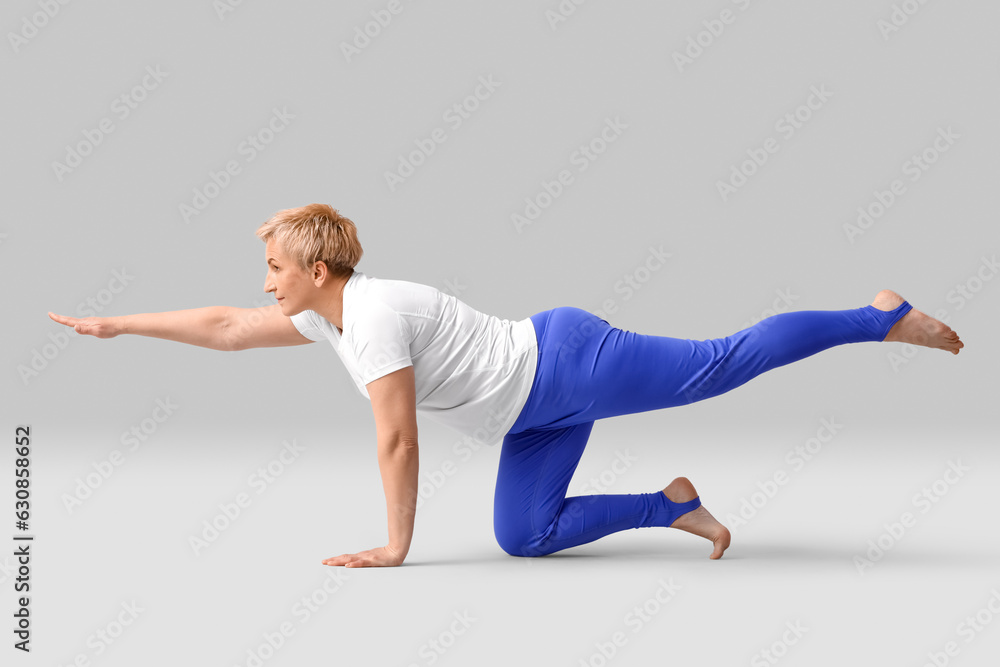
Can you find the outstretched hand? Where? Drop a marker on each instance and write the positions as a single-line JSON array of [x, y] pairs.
[[102, 327], [382, 557]]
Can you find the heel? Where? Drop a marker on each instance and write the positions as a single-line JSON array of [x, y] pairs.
[[888, 318], [681, 509], [675, 511]]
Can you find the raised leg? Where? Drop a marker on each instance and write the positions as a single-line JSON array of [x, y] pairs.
[[589, 370]]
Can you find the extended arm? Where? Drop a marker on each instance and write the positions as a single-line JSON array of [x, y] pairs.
[[393, 399], [215, 327]]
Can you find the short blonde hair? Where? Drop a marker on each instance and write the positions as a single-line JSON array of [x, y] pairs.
[[315, 233]]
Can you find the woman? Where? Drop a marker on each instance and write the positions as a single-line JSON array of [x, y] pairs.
[[537, 383]]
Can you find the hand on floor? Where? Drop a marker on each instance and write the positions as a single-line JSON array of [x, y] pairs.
[[382, 557]]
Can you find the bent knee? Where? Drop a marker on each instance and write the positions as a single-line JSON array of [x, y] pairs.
[[511, 541], [518, 541]]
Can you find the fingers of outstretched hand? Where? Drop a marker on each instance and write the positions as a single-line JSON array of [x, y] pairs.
[[62, 319], [99, 327], [77, 324]]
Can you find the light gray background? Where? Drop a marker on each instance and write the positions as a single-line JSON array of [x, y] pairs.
[[450, 225]]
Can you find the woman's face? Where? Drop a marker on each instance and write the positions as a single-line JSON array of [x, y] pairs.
[[288, 282]]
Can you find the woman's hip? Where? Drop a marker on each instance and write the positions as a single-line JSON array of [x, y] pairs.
[[567, 338]]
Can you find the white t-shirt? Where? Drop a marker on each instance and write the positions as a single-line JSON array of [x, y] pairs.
[[473, 371]]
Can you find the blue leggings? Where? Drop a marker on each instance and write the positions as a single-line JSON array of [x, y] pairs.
[[589, 370]]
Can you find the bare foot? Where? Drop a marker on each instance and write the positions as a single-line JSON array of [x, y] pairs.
[[698, 521], [917, 328]]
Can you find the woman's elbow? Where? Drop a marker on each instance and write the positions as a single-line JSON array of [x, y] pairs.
[[398, 440]]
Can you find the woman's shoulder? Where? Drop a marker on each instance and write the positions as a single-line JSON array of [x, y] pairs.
[[397, 294]]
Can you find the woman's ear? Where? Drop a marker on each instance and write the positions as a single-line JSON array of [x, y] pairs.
[[320, 273]]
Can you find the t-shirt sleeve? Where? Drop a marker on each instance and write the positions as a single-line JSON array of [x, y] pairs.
[[307, 325], [380, 342]]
